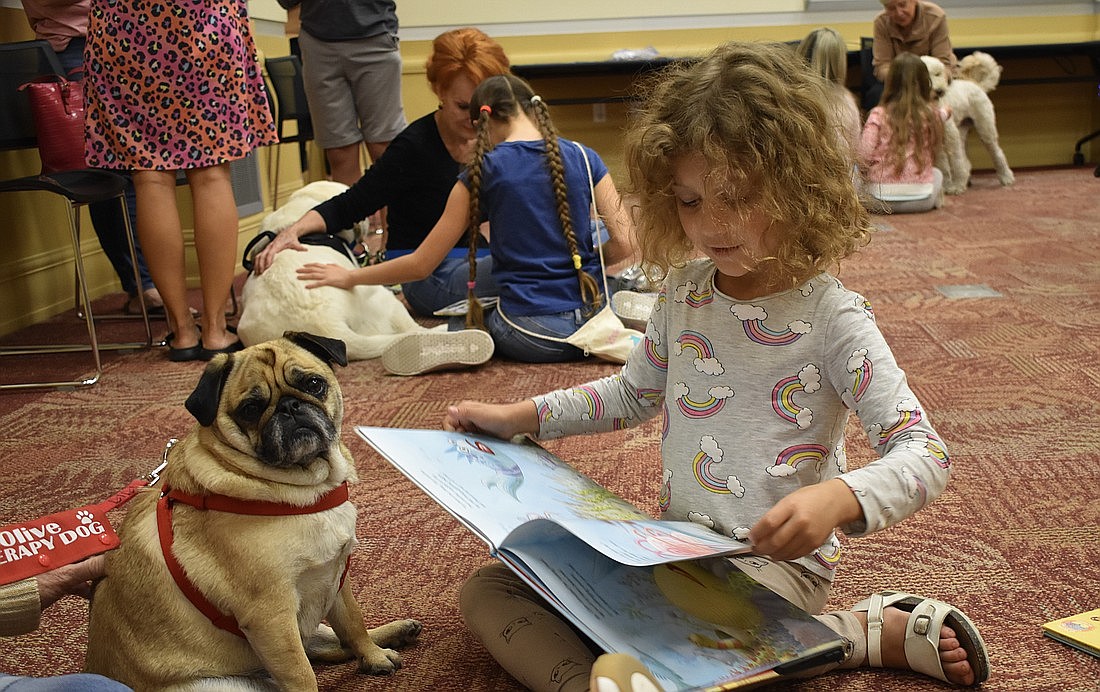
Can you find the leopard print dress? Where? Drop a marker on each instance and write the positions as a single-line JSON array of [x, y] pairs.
[[172, 84]]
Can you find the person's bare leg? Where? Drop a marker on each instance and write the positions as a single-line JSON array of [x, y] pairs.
[[162, 242], [376, 149], [344, 163], [952, 656], [216, 226]]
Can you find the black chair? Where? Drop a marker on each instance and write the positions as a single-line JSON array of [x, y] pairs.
[[288, 104], [1079, 156], [870, 88], [19, 63]]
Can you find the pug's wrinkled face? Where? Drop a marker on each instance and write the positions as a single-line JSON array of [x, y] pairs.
[[281, 396], [288, 424]]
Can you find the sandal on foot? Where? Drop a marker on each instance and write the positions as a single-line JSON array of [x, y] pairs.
[[922, 633], [621, 673], [209, 353], [183, 355]]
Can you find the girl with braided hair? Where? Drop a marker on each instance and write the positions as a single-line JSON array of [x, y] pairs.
[[533, 187]]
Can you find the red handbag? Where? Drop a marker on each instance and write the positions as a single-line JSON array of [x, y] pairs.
[[57, 104]]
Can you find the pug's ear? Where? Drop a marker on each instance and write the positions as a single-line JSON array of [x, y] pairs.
[[204, 401], [329, 350]]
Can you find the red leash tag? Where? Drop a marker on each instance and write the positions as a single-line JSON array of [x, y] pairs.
[[43, 544]]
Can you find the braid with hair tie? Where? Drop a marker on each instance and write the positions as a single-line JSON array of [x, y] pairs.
[[590, 291], [475, 314]]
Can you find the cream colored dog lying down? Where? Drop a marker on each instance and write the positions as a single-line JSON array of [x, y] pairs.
[[366, 318]]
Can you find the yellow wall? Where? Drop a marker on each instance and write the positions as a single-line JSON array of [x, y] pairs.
[[1038, 124]]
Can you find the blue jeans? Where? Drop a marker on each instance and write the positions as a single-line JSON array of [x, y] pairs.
[[512, 343], [76, 682], [447, 285], [106, 217]]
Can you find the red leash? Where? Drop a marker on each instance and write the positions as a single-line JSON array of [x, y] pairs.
[[40, 545]]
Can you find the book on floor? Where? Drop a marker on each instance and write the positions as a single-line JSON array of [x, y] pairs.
[[655, 589], [1081, 631]]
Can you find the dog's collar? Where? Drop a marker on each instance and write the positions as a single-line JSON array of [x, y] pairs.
[[221, 503]]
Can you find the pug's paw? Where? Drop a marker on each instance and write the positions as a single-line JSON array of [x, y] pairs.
[[380, 662], [396, 634]]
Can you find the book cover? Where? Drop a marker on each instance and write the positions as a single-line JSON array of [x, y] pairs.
[[658, 590], [1081, 631]]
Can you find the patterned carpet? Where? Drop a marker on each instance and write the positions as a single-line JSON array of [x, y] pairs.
[[992, 305]]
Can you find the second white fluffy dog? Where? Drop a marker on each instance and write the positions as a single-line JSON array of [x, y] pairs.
[[968, 98]]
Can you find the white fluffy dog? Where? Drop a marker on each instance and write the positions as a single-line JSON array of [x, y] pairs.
[[366, 318], [967, 97]]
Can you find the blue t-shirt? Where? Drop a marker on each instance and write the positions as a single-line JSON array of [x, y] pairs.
[[531, 259]]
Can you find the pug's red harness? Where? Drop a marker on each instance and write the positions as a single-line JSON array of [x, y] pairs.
[[222, 503]]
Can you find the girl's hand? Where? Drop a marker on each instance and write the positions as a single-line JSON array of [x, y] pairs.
[[325, 275], [800, 522], [282, 241], [500, 420]]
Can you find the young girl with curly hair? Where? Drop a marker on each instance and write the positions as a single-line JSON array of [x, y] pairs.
[[900, 141], [533, 187], [735, 157]]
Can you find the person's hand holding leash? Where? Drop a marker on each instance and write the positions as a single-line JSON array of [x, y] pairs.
[[311, 222], [75, 579]]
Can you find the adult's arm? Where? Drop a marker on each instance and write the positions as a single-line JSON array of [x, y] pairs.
[[882, 48], [940, 44], [22, 602], [416, 265], [19, 607]]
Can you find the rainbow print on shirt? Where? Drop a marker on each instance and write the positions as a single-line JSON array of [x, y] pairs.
[[788, 461], [807, 380], [689, 294], [909, 414], [593, 401], [703, 407], [752, 319], [860, 367], [692, 342], [664, 495], [653, 355], [709, 456]]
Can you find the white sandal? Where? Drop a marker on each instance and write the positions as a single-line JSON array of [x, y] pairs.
[[922, 633], [621, 673]]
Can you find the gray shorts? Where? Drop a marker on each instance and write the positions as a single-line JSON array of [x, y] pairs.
[[353, 88]]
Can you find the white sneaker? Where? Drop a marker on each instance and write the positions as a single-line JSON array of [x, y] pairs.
[[621, 673], [421, 352], [633, 308]]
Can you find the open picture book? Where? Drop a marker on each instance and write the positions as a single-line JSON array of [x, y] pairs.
[[658, 590]]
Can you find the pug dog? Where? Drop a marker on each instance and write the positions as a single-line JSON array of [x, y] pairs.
[[229, 564]]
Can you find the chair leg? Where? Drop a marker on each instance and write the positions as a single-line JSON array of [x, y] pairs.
[[275, 185], [74, 225], [128, 223], [84, 299], [144, 314], [82, 296]]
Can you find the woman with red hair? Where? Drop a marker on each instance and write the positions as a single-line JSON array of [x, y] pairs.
[[413, 178]]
